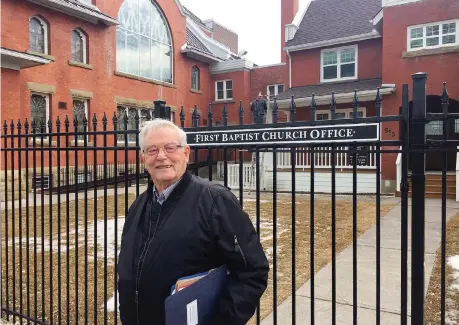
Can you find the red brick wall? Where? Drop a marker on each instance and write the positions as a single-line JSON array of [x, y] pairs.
[[306, 64], [226, 37], [398, 69], [304, 113], [264, 76], [101, 80]]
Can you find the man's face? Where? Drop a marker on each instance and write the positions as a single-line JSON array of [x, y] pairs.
[[165, 161]]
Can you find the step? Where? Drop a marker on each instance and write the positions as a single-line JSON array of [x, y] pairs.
[[430, 195], [450, 189]]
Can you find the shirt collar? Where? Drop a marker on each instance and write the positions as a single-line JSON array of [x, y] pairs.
[[161, 197]]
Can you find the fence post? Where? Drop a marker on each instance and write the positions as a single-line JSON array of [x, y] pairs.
[[418, 141], [161, 111]]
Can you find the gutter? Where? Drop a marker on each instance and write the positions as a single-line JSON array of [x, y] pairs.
[[289, 69]]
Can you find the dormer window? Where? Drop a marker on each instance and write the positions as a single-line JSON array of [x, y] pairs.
[[339, 64]]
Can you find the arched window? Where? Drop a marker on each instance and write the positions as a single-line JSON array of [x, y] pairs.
[[79, 46], [38, 35], [143, 41], [195, 78]]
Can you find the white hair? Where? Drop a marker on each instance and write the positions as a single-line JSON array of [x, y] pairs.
[[159, 123]]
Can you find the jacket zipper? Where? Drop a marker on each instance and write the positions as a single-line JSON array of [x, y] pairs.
[[238, 248], [142, 260]]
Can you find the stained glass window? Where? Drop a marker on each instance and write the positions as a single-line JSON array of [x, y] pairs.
[[143, 41], [195, 78], [38, 109], [78, 46], [37, 35], [79, 112]]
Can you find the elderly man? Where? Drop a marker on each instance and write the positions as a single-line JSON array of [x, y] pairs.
[[183, 225]]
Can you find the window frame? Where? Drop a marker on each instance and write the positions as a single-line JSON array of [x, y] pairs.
[[424, 35], [47, 101], [224, 90], [86, 112], [276, 89], [338, 64], [346, 111], [45, 34], [85, 44]]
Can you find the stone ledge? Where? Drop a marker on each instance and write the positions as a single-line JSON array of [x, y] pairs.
[[152, 81], [43, 55], [41, 88], [425, 52], [80, 65], [223, 102], [195, 91], [81, 94]]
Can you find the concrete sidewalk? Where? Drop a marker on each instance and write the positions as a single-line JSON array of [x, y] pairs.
[[366, 275]]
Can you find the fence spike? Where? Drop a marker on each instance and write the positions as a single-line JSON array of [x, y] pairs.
[[50, 124], [12, 126], [94, 119], [5, 127], [210, 114], [275, 110], [104, 119], [378, 102], [42, 125], [312, 108], [19, 125], [33, 124], [58, 122], [75, 122], [355, 103], [66, 123], [195, 116], [445, 98], [333, 106], [182, 117], [26, 125], [85, 120], [241, 113], [225, 115], [115, 118], [292, 109]]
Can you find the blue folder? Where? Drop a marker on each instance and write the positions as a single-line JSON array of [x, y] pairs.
[[195, 304]]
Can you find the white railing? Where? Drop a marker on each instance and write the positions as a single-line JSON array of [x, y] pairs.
[[248, 178], [323, 158]]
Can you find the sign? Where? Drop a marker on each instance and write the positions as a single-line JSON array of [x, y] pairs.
[[361, 156], [286, 135]]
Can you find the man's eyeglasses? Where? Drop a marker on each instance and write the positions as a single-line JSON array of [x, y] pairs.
[[168, 148]]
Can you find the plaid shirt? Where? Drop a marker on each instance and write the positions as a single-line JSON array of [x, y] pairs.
[[161, 197]]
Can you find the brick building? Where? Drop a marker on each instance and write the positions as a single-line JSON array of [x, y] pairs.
[[345, 45]]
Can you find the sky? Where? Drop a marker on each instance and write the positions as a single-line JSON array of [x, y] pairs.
[[257, 23]]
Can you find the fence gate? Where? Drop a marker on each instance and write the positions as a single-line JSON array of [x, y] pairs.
[[337, 255]]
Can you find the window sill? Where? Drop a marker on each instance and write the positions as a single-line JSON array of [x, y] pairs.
[[196, 91], [156, 82], [425, 52], [337, 81], [129, 144], [46, 56], [80, 65], [80, 143], [224, 101]]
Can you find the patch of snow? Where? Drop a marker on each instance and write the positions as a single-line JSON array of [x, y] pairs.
[[452, 314], [111, 304]]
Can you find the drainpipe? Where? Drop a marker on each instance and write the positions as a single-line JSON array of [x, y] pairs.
[[289, 69]]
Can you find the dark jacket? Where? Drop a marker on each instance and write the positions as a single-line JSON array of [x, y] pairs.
[[199, 227]]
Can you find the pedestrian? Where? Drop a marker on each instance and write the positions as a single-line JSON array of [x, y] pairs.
[[184, 225]]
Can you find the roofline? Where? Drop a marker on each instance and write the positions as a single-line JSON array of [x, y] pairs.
[[109, 21], [185, 50], [347, 39], [202, 35], [377, 18], [339, 97], [269, 65], [221, 25], [293, 27]]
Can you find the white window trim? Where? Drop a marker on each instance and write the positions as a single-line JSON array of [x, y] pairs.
[[339, 63], [46, 96], [85, 45], [276, 89], [346, 111], [424, 47], [224, 89], [45, 30]]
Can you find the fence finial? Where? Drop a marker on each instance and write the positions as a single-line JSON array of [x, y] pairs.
[[225, 115], [58, 122], [26, 125], [355, 103], [210, 114], [104, 121], [292, 109], [19, 125], [378, 102], [42, 125], [115, 119], [182, 117], [333, 106], [94, 120], [195, 116], [241, 113], [66, 123], [275, 110], [312, 108], [12, 126]]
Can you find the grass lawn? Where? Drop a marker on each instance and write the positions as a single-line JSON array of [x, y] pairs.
[[433, 299], [92, 275]]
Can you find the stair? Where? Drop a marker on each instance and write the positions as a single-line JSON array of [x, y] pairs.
[[434, 186]]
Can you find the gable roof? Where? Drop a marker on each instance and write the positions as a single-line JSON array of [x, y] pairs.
[[194, 43], [326, 20], [193, 17]]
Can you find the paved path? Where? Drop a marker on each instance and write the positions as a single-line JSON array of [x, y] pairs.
[[390, 274]]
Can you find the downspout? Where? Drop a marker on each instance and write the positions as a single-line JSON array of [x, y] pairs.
[[289, 69]]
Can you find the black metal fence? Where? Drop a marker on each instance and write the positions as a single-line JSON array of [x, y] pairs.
[[61, 233]]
